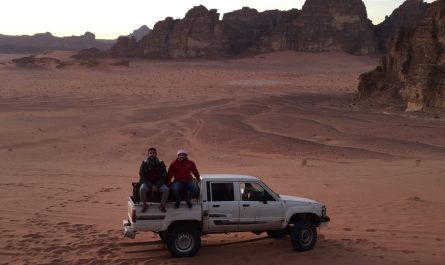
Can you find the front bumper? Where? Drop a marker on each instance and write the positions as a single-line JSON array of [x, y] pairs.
[[324, 221], [128, 229]]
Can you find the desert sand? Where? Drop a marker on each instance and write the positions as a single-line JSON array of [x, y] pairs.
[[72, 139]]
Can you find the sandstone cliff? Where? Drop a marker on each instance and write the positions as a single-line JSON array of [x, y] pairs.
[[409, 14], [413, 71], [324, 25], [199, 34], [246, 27]]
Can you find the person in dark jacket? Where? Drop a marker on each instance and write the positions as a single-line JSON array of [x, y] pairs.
[[181, 171], [153, 176]]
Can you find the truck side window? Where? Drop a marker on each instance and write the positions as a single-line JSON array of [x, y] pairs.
[[251, 191], [222, 192]]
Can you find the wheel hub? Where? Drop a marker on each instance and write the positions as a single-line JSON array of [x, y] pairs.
[[306, 236], [184, 242]]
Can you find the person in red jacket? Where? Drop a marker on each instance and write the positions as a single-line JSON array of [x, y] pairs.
[[181, 171]]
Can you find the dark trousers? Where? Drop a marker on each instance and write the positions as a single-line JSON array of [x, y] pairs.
[[189, 186]]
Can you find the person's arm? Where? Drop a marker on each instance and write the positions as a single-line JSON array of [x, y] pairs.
[[164, 176], [141, 171], [170, 173], [195, 171], [143, 174]]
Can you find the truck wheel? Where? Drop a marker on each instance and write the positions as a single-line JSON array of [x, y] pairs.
[[277, 233], [303, 235], [183, 241]]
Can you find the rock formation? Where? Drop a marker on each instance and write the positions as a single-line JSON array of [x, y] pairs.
[[413, 71], [322, 25], [125, 46], [196, 35], [246, 26], [409, 14], [199, 34], [335, 25]]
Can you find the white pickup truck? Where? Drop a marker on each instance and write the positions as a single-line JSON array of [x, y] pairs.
[[229, 203]]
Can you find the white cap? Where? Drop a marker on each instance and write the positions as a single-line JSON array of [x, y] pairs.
[[182, 151]]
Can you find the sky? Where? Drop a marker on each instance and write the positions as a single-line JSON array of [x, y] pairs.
[[108, 19]]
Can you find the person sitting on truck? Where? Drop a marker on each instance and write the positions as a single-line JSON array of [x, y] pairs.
[[153, 176], [181, 171]]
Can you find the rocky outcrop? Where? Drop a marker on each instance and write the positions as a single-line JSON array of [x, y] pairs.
[[413, 71], [335, 25], [45, 41], [324, 25], [246, 27], [156, 45], [283, 34], [409, 14], [199, 34], [33, 61], [125, 46]]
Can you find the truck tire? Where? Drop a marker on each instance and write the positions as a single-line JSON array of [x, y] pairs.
[[303, 235], [277, 233], [183, 241]]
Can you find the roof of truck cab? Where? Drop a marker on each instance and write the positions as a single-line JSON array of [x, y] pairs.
[[231, 177]]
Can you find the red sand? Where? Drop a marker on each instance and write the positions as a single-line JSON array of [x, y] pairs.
[[71, 141]]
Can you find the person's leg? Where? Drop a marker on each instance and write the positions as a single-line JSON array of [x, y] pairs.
[[176, 187], [165, 192], [143, 192], [191, 191]]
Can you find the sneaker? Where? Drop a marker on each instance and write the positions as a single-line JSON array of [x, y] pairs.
[[177, 204], [189, 204], [144, 208], [162, 208]]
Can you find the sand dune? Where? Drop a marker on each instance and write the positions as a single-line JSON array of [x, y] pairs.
[[71, 141]]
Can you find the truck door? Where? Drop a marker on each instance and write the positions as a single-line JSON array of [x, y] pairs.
[[259, 210], [223, 209]]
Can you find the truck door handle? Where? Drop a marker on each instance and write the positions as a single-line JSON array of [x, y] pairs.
[[215, 206], [246, 205]]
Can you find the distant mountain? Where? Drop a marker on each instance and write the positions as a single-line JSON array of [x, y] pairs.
[[46, 41], [140, 32]]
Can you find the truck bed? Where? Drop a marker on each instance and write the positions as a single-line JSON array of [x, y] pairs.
[[155, 220]]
